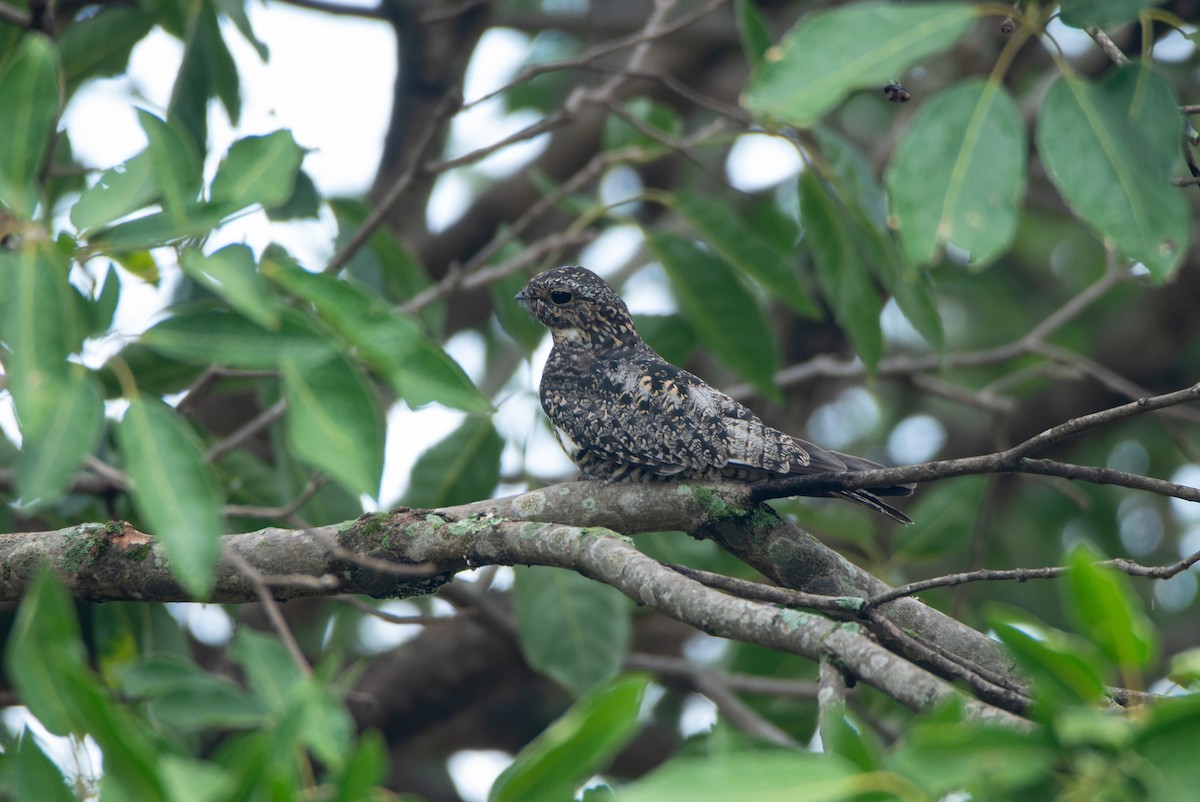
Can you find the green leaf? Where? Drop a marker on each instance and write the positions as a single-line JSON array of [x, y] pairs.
[[465, 466], [258, 169], [195, 780], [854, 180], [106, 303], [364, 769], [766, 776], [46, 663], [334, 422], [1170, 728], [29, 774], [270, 671], [1065, 669], [159, 228], [958, 173], [44, 647], [719, 307], [173, 490], [831, 53], [304, 203], [235, 11], [620, 133], [570, 628], [1101, 13], [37, 324], [752, 29], [232, 274], [176, 166], [578, 744], [1109, 149], [29, 105], [194, 83], [942, 757], [206, 337], [724, 230], [516, 321], [390, 341], [73, 420], [1105, 609], [669, 335], [841, 272], [99, 46]]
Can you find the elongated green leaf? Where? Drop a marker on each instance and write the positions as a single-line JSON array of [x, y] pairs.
[[516, 322], [232, 274], [463, 467], [73, 420], [831, 53], [99, 46], [206, 337], [1066, 670], [270, 671], [854, 180], [194, 83], [258, 169], [160, 228], [577, 745], [46, 662], [752, 29], [176, 166], [105, 306], [37, 324], [1107, 610], [390, 341], [173, 490], [364, 769], [29, 101], [958, 173], [334, 422], [570, 628], [196, 780], [1101, 13], [944, 757], [121, 190], [31, 775], [722, 228], [44, 646], [774, 776], [1109, 150], [843, 276], [719, 308]]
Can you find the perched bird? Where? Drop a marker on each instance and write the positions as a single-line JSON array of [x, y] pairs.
[[621, 411]]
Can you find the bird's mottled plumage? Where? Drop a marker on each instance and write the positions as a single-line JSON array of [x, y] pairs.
[[621, 411]]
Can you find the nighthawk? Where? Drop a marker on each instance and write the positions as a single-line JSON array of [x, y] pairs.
[[621, 411]]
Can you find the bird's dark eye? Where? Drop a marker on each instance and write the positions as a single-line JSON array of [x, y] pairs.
[[560, 297]]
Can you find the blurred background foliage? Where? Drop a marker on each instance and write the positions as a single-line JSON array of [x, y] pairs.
[[943, 277]]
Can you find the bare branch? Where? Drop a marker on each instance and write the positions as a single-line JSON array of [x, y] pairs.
[[271, 607]]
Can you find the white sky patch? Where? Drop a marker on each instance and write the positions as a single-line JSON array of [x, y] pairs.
[[208, 623], [648, 292], [376, 635], [1186, 511], [1073, 41], [474, 771], [80, 759], [759, 161], [698, 715], [613, 249], [917, 438]]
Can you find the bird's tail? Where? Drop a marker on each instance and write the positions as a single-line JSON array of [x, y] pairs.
[[868, 498]]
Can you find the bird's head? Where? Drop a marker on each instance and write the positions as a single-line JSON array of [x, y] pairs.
[[579, 308]]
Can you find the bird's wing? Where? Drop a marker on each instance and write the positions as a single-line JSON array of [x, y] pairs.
[[641, 410], [753, 444]]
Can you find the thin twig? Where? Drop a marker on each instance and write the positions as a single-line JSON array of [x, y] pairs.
[[419, 620], [449, 104], [15, 16], [248, 430], [1108, 46], [740, 714], [1026, 574], [250, 511], [1013, 460], [271, 607], [679, 669]]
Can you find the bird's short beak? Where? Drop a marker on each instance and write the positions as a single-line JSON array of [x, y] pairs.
[[521, 296]]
